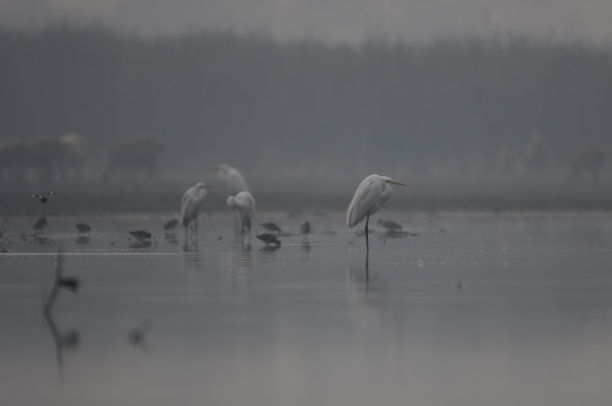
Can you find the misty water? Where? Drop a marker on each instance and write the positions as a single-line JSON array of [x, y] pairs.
[[467, 308]]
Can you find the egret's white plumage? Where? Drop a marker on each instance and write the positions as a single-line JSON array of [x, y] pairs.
[[370, 195], [244, 204], [191, 204], [233, 179]]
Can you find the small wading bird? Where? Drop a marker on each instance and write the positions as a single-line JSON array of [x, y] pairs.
[[82, 227], [141, 235], [40, 223], [390, 225], [269, 239], [244, 204], [371, 193], [305, 228], [170, 225], [191, 204], [43, 197]]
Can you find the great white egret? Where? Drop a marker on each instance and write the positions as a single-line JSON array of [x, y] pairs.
[[244, 204], [193, 198], [233, 179], [371, 193]]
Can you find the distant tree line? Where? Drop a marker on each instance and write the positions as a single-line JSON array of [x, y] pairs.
[[263, 105]]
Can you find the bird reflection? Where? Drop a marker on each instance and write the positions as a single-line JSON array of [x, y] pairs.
[[71, 339], [398, 234], [269, 248], [83, 239], [245, 246], [306, 246], [140, 244], [63, 341], [363, 285]]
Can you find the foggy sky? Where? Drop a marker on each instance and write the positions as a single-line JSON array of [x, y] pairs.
[[329, 20]]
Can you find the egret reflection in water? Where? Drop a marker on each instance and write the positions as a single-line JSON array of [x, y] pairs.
[[62, 340]]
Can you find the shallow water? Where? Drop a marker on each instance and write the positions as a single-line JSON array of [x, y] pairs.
[[478, 308]]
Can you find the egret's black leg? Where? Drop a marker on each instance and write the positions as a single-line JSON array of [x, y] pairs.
[[367, 268], [366, 233]]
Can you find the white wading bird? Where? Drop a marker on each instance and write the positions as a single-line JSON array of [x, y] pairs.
[[371, 193], [244, 204], [191, 204], [233, 179]]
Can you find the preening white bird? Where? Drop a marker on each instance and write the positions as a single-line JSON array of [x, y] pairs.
[[371, 193], [244, 204], [232, 178], [192, 201]]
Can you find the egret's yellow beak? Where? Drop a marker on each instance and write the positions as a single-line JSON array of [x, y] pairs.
[[395, 182]]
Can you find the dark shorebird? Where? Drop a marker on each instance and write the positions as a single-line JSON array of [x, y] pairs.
[[390, 225], [141, 235], [269, 239], [82, 227], [40, 223], [43, 197], [271, 227], [306, 228], [170, 225]]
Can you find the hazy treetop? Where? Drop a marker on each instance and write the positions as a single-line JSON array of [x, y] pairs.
[[330, 20]]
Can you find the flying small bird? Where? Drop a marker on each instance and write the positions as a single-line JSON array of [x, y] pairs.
[[306, 228], [269, 239], [82, 227], [231, 177], [141, 235], [244, 204], [371, 193], [271, 227], [40, 223], [390, 225], [170, 225], [192, 201], [43, 197]]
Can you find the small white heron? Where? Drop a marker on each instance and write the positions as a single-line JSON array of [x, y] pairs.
[[371, 193], [244, 204], [191, 204]]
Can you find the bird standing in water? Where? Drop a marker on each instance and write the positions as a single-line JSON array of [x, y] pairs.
[[244, 204], [193, 198], [370, 195]]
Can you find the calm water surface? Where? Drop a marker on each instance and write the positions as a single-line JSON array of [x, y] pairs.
[[477, 309]]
